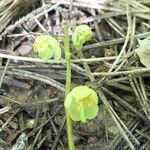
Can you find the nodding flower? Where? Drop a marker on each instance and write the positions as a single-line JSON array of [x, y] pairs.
[[47, 47], [82, 103], [81, 35]]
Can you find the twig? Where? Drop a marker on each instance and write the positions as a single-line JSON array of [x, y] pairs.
[[93, 5], [114, 41], [58, 135], [8, 120], [134, 72], [36, 76], [132, 124], [11, 100], [42, 125], [29, 59], [93, 12], [115, 118], [125, 104], [4, 109], [86, 67], [28, 17], [37, 135], [4, 72], [47, 17], [122, 51]]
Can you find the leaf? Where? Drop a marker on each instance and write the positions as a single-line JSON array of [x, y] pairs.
[[82, 103], [144, 58], [144, 51], [81, 35], [47, 47]]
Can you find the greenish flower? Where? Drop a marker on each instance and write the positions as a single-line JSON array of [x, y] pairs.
[[82, 103], [47, 47], [81, 35]]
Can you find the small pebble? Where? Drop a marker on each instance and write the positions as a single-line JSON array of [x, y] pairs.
[[30, 123]]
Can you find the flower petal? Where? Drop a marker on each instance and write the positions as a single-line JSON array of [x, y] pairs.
[[75, 111], [81, 92], [91, 111]]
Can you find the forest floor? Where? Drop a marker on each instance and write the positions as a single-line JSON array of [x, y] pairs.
[[32, 92]]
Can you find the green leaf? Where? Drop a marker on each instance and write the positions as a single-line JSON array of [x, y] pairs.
[[144, 51], [81, 35], [47, 47], [82, 103]]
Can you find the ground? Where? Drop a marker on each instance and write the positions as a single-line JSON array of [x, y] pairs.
[[114, 63]]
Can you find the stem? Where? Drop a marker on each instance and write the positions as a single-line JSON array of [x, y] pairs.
[[68, 87]]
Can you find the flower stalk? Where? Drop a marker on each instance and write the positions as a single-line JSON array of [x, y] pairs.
[[68, 86]]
